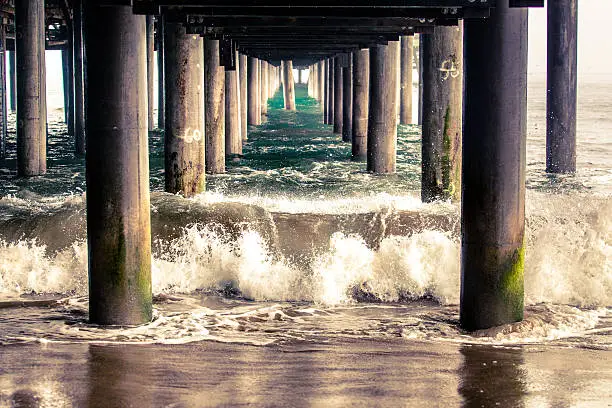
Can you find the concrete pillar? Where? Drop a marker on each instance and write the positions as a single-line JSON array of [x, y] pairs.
[[422, 37], [214, 108], [13, 81], [338, 82], [184, 124], [264, 87], [79, 80], [3, 98], [383, 107], [243, 95], [118, 205], [442, 112], [493, 172], [288, 85], [347, 101], [254, 116], [68, 69], [330, 91], [321, 80], [361, 96], [150, 70], [233, 139], [31, 95], [325, 100], [562, 83], [161, 81], [406, 80], [65, 80]]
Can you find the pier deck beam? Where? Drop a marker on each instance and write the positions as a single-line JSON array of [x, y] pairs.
[[118, 204], [383, 108], [361, 96], [214, 106], [562, 85], [288, 85], [31, 95], [79, 79], [242, 71], [442, 112], [233, 139], [347, 101], [493, 169], [338, 99], [254, 113], [406, 80], [184, 124]]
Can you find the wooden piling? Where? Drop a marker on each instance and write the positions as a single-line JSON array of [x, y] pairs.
[[254, 116], [347, 100], [214, 108], [118, 205], [406, 61], [383, 108], [31, 95], [233, 139], [184, 125], [265, 90], [330, 90], [243, 95], [361, 96], [493, 171], [150, 70], [3, 98], [442, 112], [338, 117], [161, 82], [325, 100], [562, 85], [12, 77], [79, 79], [288, 85]]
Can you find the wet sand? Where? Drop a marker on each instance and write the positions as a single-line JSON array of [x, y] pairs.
[[347, 373]]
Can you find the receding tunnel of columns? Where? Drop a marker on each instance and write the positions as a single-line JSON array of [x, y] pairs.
[[215, 84]]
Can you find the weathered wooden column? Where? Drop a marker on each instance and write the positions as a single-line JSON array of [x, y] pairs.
[[233, 138], [442, 111], [361, 96], [493, 172], [161, 82], [562, 83], [3, 98], [330, 91], [338, 82], [68, 65], [383, 108], [265, 87], [254, 116], [422, 37], [31, 95], [288, 85], [242, 60], [79, 80], [12, 76], [150, 70], [347, 100], [406, 80], [65, 78], [184, 124], [214, 108], [118, 205]]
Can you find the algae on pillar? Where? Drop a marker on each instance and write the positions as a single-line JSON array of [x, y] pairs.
[[442, 112], [253, 114], [288, 85], [31, 100], [117, 161], [214, 108], [407, 44], [184, 124], [562, 82], [361, 96], [383, 108], [243, 95], [347, 100], [493, 170]]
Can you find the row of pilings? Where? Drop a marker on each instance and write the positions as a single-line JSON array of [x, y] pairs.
[[367, 85]]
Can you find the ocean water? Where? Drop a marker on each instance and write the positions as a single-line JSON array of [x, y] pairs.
[[298, 249]]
